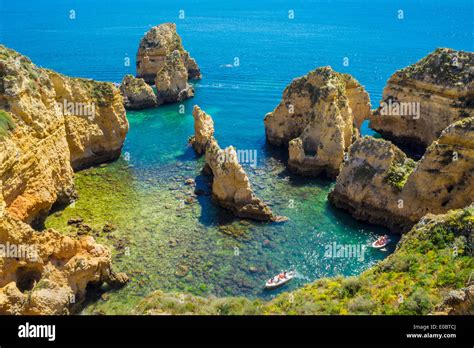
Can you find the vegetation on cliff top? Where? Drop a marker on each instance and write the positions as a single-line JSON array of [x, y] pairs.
[[444, 66], [430, 260]]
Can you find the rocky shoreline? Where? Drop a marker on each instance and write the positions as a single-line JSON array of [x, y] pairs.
[[53, 125]]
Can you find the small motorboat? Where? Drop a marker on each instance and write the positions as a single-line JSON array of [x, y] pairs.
[[279, 280], [381, 242]]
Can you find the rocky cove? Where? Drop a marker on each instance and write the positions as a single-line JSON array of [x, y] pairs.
[[152, 207]]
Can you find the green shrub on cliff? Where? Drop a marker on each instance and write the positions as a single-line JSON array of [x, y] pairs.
[[6, 123], [398, 173]]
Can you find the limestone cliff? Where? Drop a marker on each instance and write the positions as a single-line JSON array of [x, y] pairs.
[[137, 94], [57, 124], [203, 130], [50, 125], [231, 187], [319, 117], [379, 184], [47, 272], [162, 59], [421, 100]]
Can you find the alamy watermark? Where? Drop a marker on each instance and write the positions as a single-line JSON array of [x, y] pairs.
[[68, 108], [19, 251], [395, 108], [342, 251], [243, 157]]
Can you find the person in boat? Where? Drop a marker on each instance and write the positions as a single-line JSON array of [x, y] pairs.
[[382, 240]]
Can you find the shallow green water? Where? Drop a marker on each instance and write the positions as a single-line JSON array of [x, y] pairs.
[[164, 242]]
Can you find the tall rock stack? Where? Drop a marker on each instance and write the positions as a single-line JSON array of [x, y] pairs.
[[318, 118], [231, 186], [203, 130], [163, 61]]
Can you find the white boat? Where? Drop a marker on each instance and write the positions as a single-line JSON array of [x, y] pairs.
[[382, 245], [278, 281]]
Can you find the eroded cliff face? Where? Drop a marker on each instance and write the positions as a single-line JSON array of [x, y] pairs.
[[163, 61], [96, 130], [231, 186], [319, 117], [59, 124], [379, 184], [203, 130], [137, 94], [421, 100], [50, 125], [47, 272]]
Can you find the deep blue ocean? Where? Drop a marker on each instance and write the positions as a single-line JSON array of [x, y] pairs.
[[274, 42]]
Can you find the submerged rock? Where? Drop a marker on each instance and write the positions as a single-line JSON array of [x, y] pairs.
[[162, 59], [203, 130], [59, 124], [381, 185], [231, 187], [137, 94], [318, 118], [422, 99]]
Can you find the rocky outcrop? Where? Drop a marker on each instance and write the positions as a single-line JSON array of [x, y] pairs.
[[379, 184], [47, 272], [423, 99], [231, 187], [172, 81], [58, 124], [137, 94], [203, 130], [319, 117], [162, 60], [457, 302]]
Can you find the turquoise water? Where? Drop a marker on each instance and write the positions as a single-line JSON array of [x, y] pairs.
[[195, 247]]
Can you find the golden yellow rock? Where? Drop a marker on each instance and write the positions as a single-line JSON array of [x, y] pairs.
[[47, 272], [379, 184], [163, 61], [171, 81], [50, 124], [421, 100], [58, 124], [231, 187], [319, 117], [203, 130], [137, 94]]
